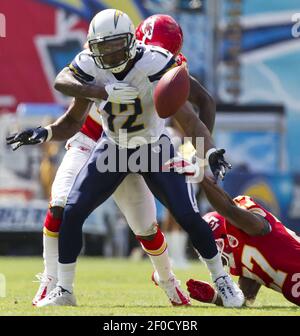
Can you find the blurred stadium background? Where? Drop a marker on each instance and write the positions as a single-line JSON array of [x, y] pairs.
[[243, 51]]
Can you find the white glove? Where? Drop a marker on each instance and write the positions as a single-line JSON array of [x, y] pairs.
[[121, 93]]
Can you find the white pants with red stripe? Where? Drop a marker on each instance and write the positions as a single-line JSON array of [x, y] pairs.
[[133, 197]]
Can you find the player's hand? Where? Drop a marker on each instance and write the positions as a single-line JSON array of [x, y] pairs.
[[201, 291], [217, 163], [31, 136], [121, 93]]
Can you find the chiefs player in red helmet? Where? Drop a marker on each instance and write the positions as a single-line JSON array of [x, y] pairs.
[[256, 246], [161, 30]]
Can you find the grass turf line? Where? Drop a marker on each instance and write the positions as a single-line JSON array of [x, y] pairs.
[[121, 287]]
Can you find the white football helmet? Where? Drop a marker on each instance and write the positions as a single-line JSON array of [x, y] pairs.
[[111, 39]]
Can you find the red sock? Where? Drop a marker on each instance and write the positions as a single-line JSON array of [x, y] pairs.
[[51, 224], [156, 246]]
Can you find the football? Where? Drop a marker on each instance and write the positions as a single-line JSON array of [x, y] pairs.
[[172, 91]]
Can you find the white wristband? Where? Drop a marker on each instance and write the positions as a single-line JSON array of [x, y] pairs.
[[50, 134], [210, 151]]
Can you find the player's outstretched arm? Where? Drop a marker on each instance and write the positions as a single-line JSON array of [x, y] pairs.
[[193, 127], [62, 129], [69, 85], [252, 224], [71, 121], [204, 102]]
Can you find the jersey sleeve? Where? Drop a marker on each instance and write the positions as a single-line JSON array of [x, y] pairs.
[[82, 67], [160, 61], [247, 203]]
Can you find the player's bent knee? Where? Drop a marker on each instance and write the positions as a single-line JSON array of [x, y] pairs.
[[147, 233], [187, 220], [75, 214]]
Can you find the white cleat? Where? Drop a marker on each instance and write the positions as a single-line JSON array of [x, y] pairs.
[[229, 291], [58, 297], [172, 288], [47, 284]]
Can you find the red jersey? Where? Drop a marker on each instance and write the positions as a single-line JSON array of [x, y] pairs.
[[92, 125], [273, 260]]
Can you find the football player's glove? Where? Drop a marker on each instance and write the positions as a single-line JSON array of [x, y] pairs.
[[121, 93], [217, 163], [31, 136], [201, 291]]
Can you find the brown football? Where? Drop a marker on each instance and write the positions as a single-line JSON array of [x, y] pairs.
[[172, 91]]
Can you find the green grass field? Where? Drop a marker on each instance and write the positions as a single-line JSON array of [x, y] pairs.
[[120, 287]]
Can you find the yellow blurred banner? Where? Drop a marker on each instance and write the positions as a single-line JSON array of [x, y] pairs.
[[127, 6], [86, 9], [76, 4]]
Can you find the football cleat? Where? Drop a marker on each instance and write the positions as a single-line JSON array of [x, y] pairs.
[[201, 291], [172, 288], [47, 284], [229, 291], [58, 297]]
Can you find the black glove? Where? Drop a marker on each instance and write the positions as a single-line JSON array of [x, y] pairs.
[[217, 163], [31, 136]]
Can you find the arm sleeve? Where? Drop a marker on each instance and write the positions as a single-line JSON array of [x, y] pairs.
[[82, 67]]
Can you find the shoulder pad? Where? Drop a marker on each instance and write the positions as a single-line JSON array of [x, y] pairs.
[[156, 61], [83, 66]]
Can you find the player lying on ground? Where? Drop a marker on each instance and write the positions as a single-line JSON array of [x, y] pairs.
[[256, 246], [91, 188], [138, 205]]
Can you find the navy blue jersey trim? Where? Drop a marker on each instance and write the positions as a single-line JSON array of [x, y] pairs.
[[171, 64], [79, 73]]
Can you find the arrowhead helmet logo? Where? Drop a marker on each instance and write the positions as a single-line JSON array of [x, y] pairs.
[[148, 29]]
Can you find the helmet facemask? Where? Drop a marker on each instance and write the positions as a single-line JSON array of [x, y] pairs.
[[113, 52]]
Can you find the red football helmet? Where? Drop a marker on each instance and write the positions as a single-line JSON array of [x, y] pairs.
[[161, 30], [218, 227]]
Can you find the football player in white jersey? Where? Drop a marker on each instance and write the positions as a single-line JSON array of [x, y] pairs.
[[138, 205], [113, 68]]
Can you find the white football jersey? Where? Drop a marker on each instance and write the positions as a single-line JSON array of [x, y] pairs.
[[129, 125]]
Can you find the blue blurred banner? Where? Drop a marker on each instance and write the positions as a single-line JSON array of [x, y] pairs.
[[253, 136], [268, 61], [86, 9]]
